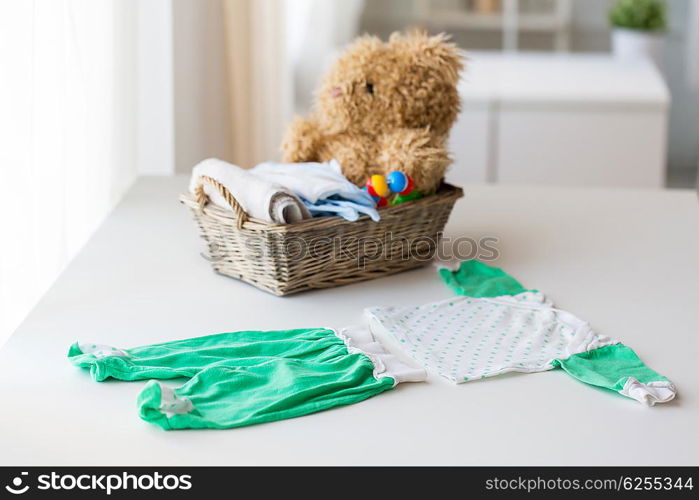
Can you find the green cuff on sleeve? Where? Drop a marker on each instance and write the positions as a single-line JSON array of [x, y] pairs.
[[476, 279]]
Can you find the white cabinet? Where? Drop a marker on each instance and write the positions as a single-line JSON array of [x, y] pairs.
[[470, 145], [561, 120]]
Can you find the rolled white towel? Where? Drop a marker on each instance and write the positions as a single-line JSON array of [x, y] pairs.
[[259, 198]]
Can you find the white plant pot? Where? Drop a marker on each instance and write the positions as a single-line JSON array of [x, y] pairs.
[[631, 44]]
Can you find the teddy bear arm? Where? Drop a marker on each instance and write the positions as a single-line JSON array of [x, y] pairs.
[[416, 153], [355, 153], [301, 141]]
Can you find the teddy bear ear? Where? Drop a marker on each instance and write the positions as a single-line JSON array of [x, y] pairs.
[[363, 44], [435, 51], [412, 36]]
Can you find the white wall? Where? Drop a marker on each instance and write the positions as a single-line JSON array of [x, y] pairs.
[[156, 121], [684, 114]]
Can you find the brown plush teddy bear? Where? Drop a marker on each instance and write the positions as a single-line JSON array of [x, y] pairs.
[[384, 107]]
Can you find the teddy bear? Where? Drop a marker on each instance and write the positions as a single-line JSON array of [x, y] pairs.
[[383, 107]]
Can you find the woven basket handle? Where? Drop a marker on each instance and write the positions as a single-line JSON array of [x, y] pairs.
[[204, 180]]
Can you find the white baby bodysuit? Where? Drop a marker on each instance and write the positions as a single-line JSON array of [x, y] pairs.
[[465, 338], [496, 326]]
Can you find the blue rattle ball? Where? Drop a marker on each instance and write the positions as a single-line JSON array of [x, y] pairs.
[[397, 181]]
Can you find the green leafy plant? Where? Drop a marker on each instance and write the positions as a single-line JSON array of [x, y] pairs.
[[642, 15]]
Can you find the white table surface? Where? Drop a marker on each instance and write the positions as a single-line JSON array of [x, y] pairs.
[[627, 261]]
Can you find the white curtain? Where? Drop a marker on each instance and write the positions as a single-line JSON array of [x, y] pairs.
[[68, 135], [258, 78], [96, 92]]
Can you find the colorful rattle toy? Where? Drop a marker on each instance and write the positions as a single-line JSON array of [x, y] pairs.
[[380, 187], [400, 183], [377, 186]]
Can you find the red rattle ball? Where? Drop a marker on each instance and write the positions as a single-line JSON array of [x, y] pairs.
[[408, 187]]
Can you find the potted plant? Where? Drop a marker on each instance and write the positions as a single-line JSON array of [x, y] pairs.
[[638, 28]]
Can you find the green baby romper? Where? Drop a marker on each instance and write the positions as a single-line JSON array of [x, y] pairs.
[[249, 377]]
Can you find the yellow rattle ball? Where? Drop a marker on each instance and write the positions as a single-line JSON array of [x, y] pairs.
[[377, 183]]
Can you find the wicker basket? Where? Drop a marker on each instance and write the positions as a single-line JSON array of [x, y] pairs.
[[322, 252]]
